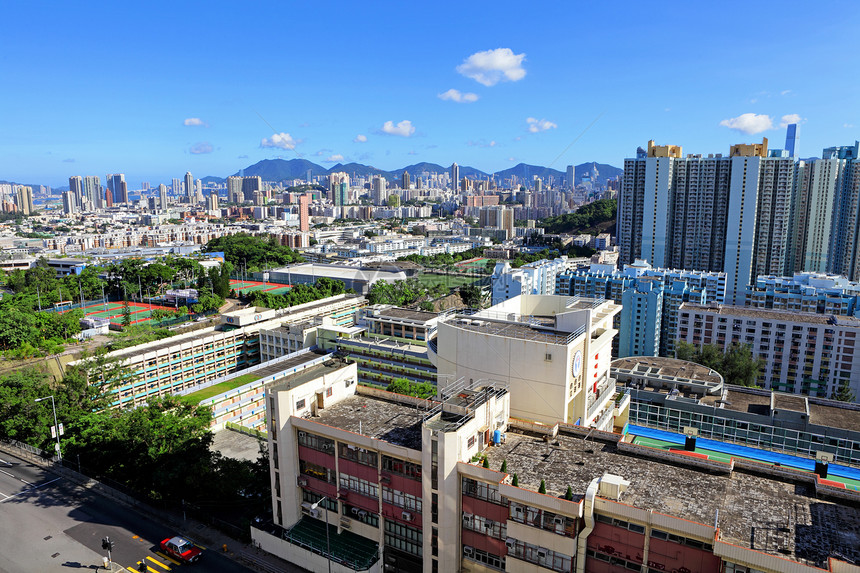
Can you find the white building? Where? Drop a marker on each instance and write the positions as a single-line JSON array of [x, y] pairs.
[[553, 352]]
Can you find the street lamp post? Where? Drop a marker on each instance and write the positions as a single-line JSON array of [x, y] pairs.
[[56, 426], [327, 540]]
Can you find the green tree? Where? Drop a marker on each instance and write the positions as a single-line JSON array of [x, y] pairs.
[[504, 468], [568, 495], [486, 463], [126, 313], [542, 488], [844, 393], [471, 295], [515, 481]]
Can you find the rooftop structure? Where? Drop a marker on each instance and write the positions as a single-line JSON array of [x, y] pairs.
[[552, 351], [356, 278]]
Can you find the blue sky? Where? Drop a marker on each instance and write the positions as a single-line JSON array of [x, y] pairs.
[[91, 88]]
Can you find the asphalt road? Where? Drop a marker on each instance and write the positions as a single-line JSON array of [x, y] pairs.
[[50, 524]]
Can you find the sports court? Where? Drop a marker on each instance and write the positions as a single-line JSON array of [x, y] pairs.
[[140, 311], [244, 287], [477, 263], [724, 451]]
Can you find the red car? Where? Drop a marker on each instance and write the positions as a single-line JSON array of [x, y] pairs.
[[181, 549]]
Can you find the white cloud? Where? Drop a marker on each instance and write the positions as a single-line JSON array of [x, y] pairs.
[[493, 66], [280, 140], [512, 158], [403, 129], [200, 148], [481, 143], [333, 158], [790, 118], [536, 125], [195, 122], [785, 92], [847, 125], [360, 138], [749, 123], [413, 152], [458, 96]]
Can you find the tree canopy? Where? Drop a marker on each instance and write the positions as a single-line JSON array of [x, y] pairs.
[[253, 253], [301, 293], [584, 219], [737, 365]]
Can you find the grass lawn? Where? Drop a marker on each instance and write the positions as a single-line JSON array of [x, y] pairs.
[[220, 388]]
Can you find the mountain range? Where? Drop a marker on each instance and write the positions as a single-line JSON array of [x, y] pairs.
[[278, 170]]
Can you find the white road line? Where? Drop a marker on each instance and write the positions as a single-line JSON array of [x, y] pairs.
[[2, 461], [8, 474], [8, 497], [25, 481], [5, 497]]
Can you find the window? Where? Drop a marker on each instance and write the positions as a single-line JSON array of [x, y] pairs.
[[538, 555], [319, 472], [361, 515], [359, 485], [404, 538], [401, 467], [481, 556], [485, 491], [356, 454], [316, 442], [400, 499], [300, 405]]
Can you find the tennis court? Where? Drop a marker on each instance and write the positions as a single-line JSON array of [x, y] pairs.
[[140, 312], [724, 452], [244, 287]]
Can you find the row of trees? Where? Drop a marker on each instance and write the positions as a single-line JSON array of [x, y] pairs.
[[399, 293], [737, 365], [161, 450], [301, 293]]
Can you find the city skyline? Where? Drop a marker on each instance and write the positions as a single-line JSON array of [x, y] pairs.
[[451, 91]]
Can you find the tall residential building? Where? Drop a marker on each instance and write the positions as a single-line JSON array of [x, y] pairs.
[[234, 189], [455, 177], [712, 213], [212, 202], [24, 199], [176, 187], [806, 292], [189, 185], [601, 280], [377, 190], [570, 177], [538, 277], [162, 196], [251, 184], [404, 180], [117, 186], [339, 188], [497, 217], [69, 205], [92, 191], [304, 212], [76, 187]]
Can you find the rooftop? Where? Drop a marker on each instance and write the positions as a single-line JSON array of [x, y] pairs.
[[767, 515], [291, 381], [341, 272], [395, 423], [775, 315], [416, 315], [512, 330], [821, 412], [657, 366]]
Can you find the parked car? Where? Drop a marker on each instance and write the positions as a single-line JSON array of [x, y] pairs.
[[181, 549]]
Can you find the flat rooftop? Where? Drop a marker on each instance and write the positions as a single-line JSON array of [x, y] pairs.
[[296, 379], [404, 313], [774, 315], [764, 514], [511, 330], [394, 423], [340, 272], [657, 366], [821, 412]]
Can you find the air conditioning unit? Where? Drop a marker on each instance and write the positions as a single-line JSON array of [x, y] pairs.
[[354, 510], [362, 514], [510, 542], [467, 518], [301, 482], [559, 520], [345, 523], [315, 513], [468, 551], [488, 524], [541, 552], [406, 516], [327, 446]]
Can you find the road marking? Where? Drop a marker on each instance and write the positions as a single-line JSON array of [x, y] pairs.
[[8, 497], [171, 559], [157, 562], [8, 474], [5, 462], [5, 497]]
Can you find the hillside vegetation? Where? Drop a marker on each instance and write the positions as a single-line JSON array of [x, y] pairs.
[[594, 218]]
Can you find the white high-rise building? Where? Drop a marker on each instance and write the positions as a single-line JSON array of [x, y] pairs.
[[92, 191], [69, 205]]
